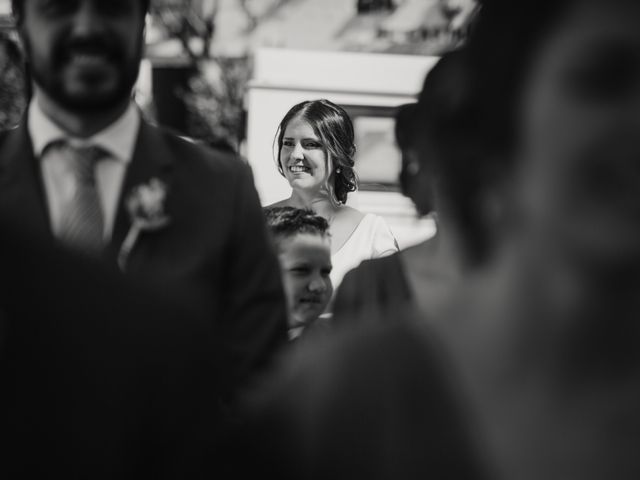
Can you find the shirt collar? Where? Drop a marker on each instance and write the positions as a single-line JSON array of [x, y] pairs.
[[119, 138]]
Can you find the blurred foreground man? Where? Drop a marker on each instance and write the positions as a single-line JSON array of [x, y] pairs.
[[99, 377], [85, 170]]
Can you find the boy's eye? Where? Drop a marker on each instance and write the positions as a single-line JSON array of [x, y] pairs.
[[326, 271]]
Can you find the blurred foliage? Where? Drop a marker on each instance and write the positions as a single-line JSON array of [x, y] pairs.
[[215, 94], [12, 84], [217, 104], [186, 20]]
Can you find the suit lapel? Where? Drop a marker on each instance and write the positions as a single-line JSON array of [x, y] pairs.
[[151, 159], [22, 195]]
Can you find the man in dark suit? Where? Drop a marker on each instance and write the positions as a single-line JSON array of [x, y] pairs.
[[85, 170], [99, 377]]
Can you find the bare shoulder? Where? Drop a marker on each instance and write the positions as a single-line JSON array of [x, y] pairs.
[[350, 215]]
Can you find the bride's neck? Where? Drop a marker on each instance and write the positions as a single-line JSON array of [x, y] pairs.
[[317, 201]]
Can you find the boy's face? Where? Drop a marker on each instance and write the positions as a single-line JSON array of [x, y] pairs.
[[306, 265]]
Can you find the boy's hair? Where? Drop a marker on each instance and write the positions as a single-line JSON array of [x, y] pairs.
[[286, 222]]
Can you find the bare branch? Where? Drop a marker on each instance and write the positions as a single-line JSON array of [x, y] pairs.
[[255, 19]]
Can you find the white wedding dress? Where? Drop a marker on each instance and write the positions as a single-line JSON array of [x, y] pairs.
[[372, 238]]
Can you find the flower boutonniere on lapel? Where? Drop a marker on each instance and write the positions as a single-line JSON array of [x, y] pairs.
[[146, 207]]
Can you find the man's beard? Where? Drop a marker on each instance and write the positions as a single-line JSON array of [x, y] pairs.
[[47, 75]]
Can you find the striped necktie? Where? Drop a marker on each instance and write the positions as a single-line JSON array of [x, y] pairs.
[[82, 219]]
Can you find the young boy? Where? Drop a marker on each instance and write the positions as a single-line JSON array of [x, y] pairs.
[[304, 249]]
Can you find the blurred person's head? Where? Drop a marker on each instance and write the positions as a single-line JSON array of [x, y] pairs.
[[559, 86], [316, 150], [83, 55], [303, 246], [414, 181], [436, 137]]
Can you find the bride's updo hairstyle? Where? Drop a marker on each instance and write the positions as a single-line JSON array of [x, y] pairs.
[[334, 128]]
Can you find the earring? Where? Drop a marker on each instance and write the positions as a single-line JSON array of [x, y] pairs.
[[338, 170]]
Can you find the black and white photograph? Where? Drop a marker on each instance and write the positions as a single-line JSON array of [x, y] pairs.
[[320, 239]]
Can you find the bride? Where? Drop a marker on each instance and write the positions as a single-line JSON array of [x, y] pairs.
[[315, 154]]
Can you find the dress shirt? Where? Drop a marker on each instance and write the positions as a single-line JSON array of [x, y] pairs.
[[118, 140]]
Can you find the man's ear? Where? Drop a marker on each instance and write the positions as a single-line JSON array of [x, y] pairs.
[[417, 183]]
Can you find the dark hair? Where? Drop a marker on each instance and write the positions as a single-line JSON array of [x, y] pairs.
[[18, 8], [334, 128], [405, 127], [441, 129], [502, 45], [286, 222], [442, 116], [476, 129]]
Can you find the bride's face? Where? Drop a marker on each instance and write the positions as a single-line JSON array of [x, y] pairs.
[[303, 156], [578, 183]]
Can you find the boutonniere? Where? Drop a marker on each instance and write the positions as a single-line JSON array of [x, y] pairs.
[[146, 207]]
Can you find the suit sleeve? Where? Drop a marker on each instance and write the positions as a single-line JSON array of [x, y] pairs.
[[255, 325]]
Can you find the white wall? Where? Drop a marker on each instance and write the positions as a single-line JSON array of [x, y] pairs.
[[283, 78]]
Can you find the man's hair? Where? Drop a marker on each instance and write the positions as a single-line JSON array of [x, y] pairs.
[[286, 222], [18, 8]]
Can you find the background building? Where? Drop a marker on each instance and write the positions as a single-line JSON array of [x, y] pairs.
[[370, 56], [226, 71]]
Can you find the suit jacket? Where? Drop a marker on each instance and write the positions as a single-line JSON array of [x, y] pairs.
[[100, 378], [216, 244]]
